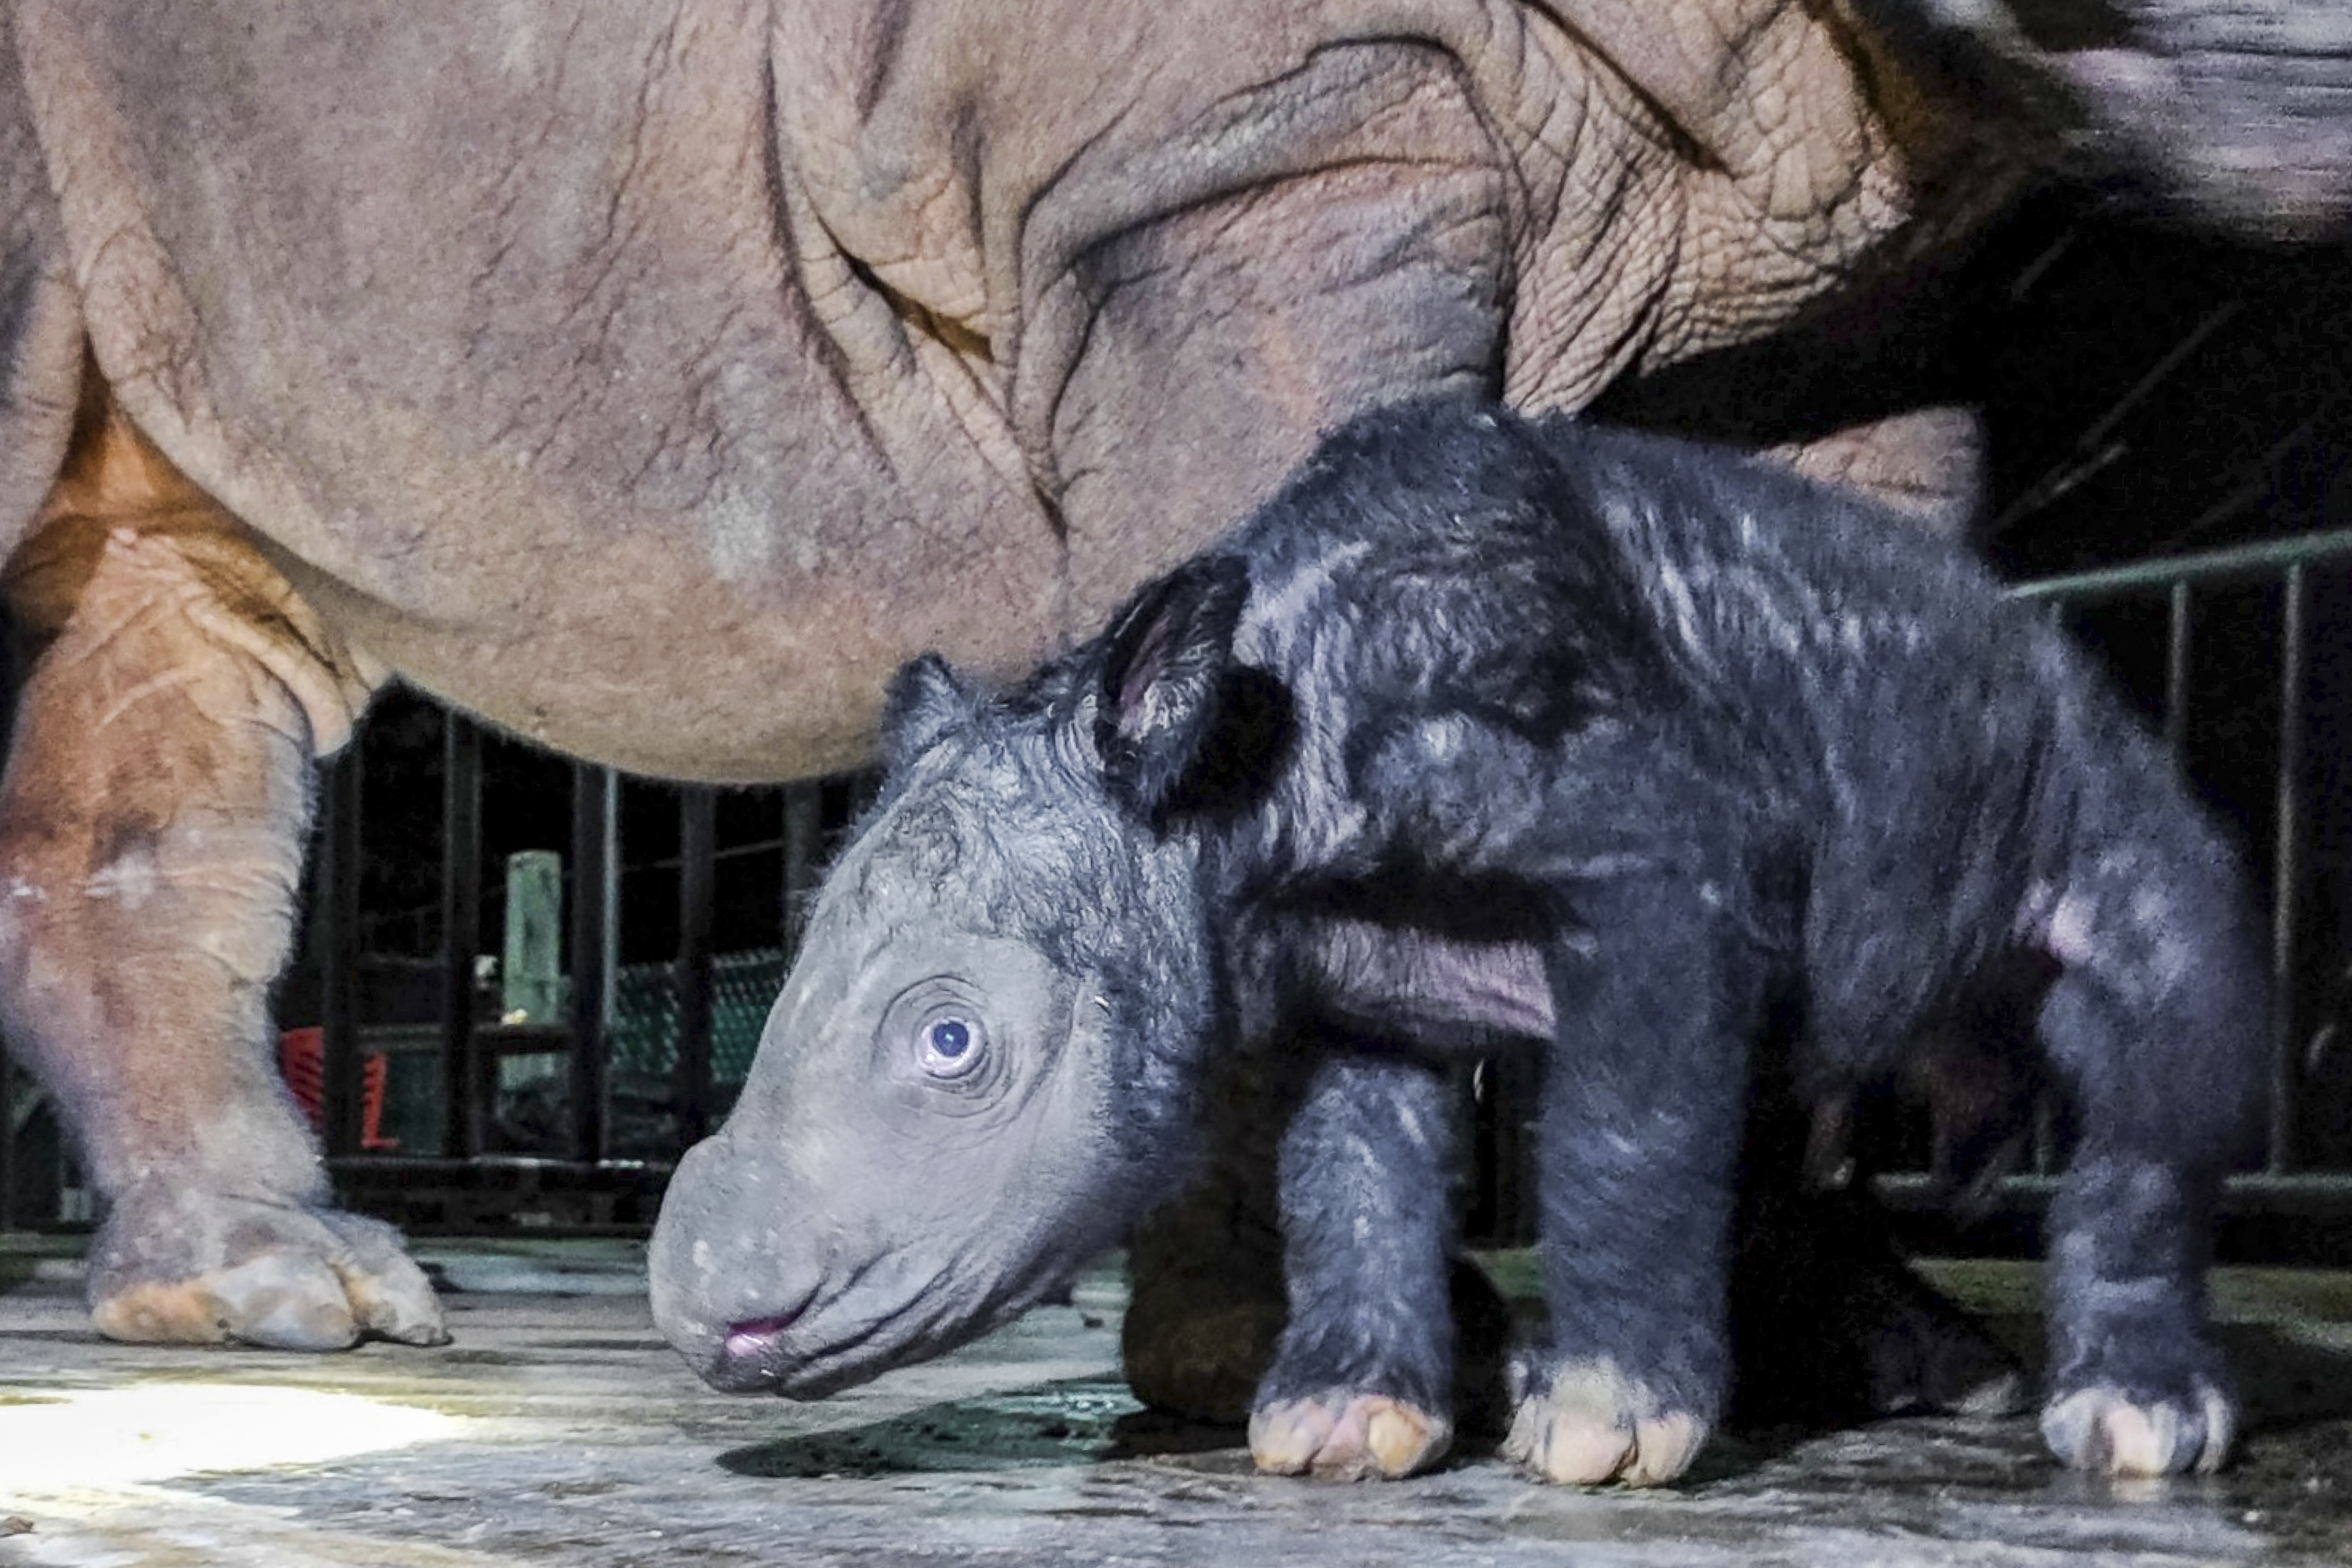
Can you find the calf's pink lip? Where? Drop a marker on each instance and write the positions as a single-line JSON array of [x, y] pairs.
[[753, 1335]]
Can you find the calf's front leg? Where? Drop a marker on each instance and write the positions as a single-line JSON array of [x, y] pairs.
[[1362, 1380], [1205, 1326], [1636, 1149], [152, 823]]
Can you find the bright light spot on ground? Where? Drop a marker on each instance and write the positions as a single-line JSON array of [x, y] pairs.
[[154, 1432]]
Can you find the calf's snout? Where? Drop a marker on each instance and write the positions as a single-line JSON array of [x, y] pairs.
[[725, 1285]]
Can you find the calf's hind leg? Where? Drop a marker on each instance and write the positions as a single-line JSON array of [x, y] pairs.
[[152, 822], [2155, 1034]]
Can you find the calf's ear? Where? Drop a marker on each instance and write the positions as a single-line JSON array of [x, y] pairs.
[[924, 701], [1177, 723]]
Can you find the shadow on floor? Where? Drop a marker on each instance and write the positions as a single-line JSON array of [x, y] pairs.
[[2288, 1384], [2287, 1381], [1082, 1421]]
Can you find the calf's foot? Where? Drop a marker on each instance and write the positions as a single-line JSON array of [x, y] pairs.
[[2124, 1426], [189, 1267], [1344, 1436], [1584, 1422], [2108, 1431]]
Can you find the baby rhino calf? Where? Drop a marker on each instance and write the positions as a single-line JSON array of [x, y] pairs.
[[1486, 732]]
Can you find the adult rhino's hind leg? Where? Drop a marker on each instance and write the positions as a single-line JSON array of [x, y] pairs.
[[1205, 1305], [152, 823]]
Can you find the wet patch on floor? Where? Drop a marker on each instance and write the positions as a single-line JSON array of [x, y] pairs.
[[1060, 1424], [564, 1433]]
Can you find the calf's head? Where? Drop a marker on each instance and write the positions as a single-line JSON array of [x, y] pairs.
[[976, 1075]]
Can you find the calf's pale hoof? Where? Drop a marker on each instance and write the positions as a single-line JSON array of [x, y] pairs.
[[2101, 1430], [195, 1268], [1348, 1437], [1594, 1425]]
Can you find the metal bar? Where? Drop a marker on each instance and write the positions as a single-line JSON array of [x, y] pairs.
[[461, 928], [9, 687], [2176, 672], [340, 1101], [8, 1141], [865, 789], [2326, 1195], [698, 846], [595, 818], [2287, 866], [378, 924], [2166, 363], [2204, 568], [2024, 283], [804, 844]]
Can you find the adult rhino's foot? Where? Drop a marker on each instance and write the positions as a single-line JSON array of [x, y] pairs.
[[178, 1266], [1930, 1356], [1587, 1422], [1343, 1437]]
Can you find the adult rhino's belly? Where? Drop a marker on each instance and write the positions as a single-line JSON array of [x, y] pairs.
[[502, 347], [641, 651]]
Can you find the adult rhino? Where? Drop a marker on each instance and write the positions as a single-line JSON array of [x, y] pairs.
[[652, 380]]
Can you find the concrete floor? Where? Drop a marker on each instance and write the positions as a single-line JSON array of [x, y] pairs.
[[558, 1430]]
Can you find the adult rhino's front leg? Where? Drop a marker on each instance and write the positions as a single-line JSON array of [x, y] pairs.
[[152, 824]]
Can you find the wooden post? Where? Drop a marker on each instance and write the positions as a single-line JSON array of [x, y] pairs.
[[596, 863], [698, 865], [339, 953], [531, 968], [461, 930]]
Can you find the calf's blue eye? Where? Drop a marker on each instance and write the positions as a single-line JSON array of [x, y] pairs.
[[951, 1046]]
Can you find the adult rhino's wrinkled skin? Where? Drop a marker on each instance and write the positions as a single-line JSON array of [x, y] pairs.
[[651, 381], [1489, 733]]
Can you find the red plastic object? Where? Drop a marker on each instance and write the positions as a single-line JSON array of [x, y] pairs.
[[302, 1057]]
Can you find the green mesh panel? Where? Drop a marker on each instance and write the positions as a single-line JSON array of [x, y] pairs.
[[644, 1030]]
